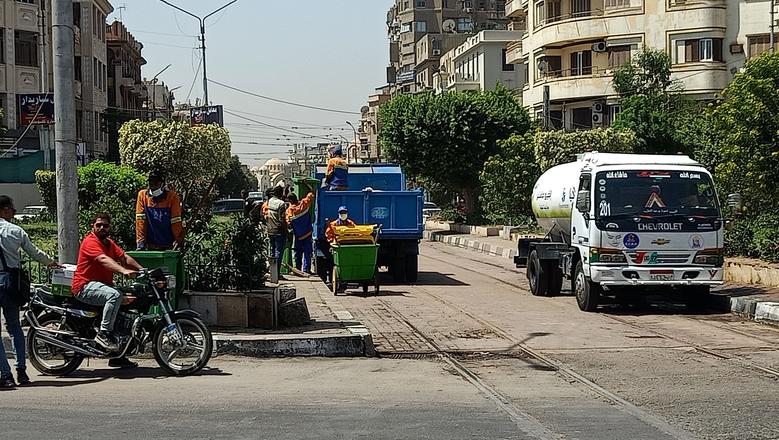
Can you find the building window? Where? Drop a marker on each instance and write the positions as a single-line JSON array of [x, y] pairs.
[[617, 3], [582, 118], [614, 110], [760, 44], [548, 11], [580, 8], [706, 49], [556, 121], [420, 26], [581, 63], [77, 68], [618, 56], [550, 66], [26, 48], [405, 27], [506, 66], [421, 3], [2, 45], [464, 25]]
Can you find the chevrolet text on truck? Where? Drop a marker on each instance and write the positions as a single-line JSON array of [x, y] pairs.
[[619, 223]]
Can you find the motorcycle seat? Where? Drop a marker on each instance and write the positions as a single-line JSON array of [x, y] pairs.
[[67, 301]]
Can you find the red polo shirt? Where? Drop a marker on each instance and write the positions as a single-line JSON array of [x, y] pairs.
[[89, 269]]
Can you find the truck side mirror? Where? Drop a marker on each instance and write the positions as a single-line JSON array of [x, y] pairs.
[[583, 201]]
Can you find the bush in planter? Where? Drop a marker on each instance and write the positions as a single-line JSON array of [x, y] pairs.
[[226, 255]]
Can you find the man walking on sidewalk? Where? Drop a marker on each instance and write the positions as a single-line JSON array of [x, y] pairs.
[[13, 238]]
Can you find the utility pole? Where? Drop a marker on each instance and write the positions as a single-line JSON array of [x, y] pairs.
[[773, 24], [43, 130], [65, 130], [202, 41]]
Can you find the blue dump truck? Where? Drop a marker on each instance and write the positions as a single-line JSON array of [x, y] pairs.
[[377, 195]]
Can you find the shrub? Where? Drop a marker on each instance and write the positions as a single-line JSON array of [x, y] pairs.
[[556, 147], [227, 255], [765, 239], [738, 239]]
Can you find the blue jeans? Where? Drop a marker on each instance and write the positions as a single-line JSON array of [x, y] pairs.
[[303, 250], [277, 245], [96, 293], [11, 317]]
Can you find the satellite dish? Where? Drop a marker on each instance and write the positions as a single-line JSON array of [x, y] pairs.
[[449, 25], [364, 109]]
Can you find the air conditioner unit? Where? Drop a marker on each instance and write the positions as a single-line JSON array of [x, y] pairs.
[[468, 10], [436, 52], [600, 46], [597, 118], [598, 107]]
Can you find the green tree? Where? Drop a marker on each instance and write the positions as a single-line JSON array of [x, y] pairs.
[[508, 179], [236, 181], [652, 104], [192, 157], [447, 138], [745, 155]]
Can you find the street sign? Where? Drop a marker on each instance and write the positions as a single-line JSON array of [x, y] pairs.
[[212, 114], [36, 109]]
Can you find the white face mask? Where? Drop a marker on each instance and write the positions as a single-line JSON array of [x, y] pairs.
[[155, 192], [343, 217]]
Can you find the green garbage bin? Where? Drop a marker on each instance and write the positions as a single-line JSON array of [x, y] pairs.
[[172, 261]]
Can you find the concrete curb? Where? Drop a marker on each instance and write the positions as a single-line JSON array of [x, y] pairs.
[[354, 341], [478, 246], [756, 309], [347, 345]]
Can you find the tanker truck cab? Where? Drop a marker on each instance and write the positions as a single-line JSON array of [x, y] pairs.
[[620, 223]]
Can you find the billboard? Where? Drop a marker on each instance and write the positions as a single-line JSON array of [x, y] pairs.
[[212, 114], [36, 109]]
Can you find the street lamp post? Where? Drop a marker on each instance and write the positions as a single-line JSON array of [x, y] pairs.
[[202, 40], [154, 91]]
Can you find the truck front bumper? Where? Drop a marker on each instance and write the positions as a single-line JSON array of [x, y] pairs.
[[656, 276]]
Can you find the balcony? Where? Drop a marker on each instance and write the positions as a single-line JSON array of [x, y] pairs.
[[515, 8], [514, 53], [571, 84], [460, 82]]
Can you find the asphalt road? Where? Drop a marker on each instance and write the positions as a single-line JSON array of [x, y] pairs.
[[468, 353]]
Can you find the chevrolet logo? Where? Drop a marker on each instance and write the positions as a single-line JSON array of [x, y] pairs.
[[661, 242]]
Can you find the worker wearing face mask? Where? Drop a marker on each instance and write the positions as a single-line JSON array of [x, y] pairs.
[[343, 220], [158, 223]]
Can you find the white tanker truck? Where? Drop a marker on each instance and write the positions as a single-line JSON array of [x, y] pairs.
[[617, 223]]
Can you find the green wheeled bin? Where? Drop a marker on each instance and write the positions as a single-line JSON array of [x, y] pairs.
[[172, 261], [354, 264]]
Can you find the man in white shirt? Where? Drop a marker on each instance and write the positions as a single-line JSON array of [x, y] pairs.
[[13, 238]]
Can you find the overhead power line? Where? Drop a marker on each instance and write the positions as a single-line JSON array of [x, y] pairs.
[[268, 125], [257, 95]]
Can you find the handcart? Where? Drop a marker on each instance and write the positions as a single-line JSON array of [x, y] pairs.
[[354, 258]]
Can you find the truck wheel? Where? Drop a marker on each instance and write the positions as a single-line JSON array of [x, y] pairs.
[[587, 292], [412, 268], [536, 275], [554, 279], [398, 270], [695, 297]]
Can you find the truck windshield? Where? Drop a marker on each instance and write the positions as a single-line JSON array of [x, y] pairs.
[[655, 194]]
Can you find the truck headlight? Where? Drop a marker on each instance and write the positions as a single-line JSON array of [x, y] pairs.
[[600, 255], [709, 257]]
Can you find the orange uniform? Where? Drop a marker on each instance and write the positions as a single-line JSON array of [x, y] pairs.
[[158, 222], [330, 232]]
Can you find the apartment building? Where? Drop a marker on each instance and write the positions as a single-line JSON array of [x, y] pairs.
[[480, 63], [420, 31], [126, 91], [370, 150], [573, 47]]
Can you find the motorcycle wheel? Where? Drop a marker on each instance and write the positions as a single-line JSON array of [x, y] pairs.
[[186, 360], [44, 356]]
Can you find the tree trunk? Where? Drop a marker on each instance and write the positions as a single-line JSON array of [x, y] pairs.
[[469, 197]]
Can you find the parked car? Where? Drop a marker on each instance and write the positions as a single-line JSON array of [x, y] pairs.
[[31, 212], [429, 209], [228, 206]]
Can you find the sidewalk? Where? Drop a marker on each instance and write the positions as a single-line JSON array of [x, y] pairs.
[[333, 331], [752, 301]]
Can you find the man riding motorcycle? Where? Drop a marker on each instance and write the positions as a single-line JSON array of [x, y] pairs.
[[99, 258]]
